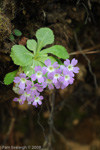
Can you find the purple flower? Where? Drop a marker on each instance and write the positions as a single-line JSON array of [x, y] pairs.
[[67, 77], [58, 85], [22, 80], [18, 100], [37, 100], [62, 67], [34, 89], [56, 76], [51, 68], [48, 83], [39, 74], [71, 65], [26, 96]]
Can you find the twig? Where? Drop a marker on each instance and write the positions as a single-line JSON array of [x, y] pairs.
[[51, 99], [9, 130], [89, 64], [85, 51], [78, 53], [86, 12], [63, 139], [1, 82], [46, 140], [89, 4]]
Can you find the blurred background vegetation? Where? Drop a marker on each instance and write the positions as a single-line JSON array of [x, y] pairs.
[[76, 114]]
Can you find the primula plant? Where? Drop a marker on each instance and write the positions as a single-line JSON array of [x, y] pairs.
[[38, 70]]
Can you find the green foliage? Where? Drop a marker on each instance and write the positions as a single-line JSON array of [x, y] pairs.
[[28, 60], [10, 77], [11, 37], [20, 55], [31, 45], [44, 36], [29, 70], [17, 32], [57, 50], [42, 59]]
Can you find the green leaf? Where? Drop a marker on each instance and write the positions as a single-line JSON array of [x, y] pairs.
[[29, 70], [40, 57], [49, 57], [17, 32], [20, 55], [57, 50], [58, 60], [44, 36], [10, 77], [11, 37], [31, 45]]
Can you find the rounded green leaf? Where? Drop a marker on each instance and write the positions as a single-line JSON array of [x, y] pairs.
[[17, 32], [20, 55], [31, 45], [57, 50], [44, 36], [10, 77], [11, 37]]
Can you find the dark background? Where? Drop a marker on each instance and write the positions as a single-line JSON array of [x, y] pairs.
[[76, 115]]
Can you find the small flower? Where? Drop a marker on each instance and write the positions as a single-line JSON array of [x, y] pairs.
[[26, 96], [35, 89], [58, 85], [22, 80], [71, 65], [67, 77], [37, 100], [56, 76], [18, 100], [39, 74], [51, 68], [48, 83]]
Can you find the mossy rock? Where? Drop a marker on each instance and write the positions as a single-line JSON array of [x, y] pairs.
[[5, 27]]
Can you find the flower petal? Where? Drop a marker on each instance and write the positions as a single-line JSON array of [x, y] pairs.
[[47, 62], [39, 102], [37, 68], [33, 77], [44, 84], [22, 75], [15, 99], [75, 69], [35, 104], [41, 97], [67, 62], [17, 79], [44, 70], [71, 80], [40, 80], [57, 85], [22, 86], [50, 86], [56, 65], [74, 61]]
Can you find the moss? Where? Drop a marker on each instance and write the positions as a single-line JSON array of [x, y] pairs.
[[9, 8], [5, 27]]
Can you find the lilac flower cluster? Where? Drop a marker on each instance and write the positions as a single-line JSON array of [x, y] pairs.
[[58, 76]]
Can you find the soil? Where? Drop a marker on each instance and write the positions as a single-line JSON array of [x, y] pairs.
[[76, 26]]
